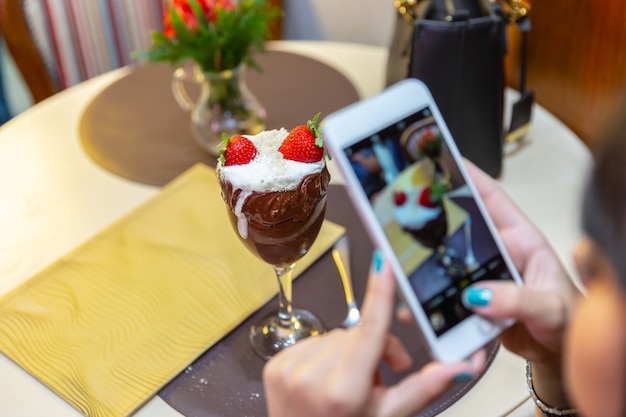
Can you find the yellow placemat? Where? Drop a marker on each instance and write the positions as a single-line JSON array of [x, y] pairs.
[[111, 322]]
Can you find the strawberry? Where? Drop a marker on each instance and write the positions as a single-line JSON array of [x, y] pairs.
[[425, 198], [432, 195], [237, 150], [303, 143], [399, 198]]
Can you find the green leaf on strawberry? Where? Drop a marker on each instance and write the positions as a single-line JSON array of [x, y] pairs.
[[432, 195], [437, 190], [220, 154], [237, 150]]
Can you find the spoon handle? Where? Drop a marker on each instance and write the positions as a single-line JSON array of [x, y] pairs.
[[341, 255]]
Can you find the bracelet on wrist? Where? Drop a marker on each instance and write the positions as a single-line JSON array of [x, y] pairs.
[[546, 409]]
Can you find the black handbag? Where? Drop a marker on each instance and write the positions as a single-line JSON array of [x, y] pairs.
[[457, 48]]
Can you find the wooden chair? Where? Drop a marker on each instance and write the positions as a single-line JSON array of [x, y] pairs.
[[21, 45], [17, 34], [576, 60]]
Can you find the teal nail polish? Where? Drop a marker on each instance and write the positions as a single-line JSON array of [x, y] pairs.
[[465, 376], [476, 297], [377, 261], [401, 306]]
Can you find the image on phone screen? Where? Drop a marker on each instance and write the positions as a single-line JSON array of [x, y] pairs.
[[428, 214]]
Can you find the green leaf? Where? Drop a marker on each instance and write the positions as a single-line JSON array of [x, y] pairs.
[[182, 33], [438, 188], [198, 12], [220, 154]]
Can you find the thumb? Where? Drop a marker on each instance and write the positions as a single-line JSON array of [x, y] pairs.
[[507, 300], [416, 391]]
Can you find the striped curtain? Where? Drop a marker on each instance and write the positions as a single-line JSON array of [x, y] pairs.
[[84, 38]]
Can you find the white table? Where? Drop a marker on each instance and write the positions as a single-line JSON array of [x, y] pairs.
[[53, 198]]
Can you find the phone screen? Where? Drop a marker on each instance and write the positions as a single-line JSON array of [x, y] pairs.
[[428, 214]]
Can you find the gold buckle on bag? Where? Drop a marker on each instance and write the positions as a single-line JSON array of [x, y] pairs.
[[517, 134], [405, 7], [516, 9]]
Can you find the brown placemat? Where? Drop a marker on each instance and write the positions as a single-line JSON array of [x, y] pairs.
[[135, 128], [226, 380]]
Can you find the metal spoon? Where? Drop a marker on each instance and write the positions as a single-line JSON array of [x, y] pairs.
[[471, 263], [341, 255]]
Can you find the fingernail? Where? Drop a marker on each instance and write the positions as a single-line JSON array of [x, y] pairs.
[[401, 306], [377, 261], [476, 297], [464, 376]]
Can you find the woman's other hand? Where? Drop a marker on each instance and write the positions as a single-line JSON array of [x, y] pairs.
[[336, 374], [543, 306]]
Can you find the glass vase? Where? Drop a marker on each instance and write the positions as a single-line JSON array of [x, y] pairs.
[[224, 104]]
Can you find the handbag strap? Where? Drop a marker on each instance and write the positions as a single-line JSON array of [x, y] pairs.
[[517, 11]]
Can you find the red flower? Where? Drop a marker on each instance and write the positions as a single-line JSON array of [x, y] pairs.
[[183, 9], [215, 34], [213, 5]]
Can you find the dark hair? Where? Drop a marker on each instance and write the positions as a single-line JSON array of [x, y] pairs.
[[604, 204]]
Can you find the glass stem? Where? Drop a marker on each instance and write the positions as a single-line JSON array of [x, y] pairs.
[[284, 275]]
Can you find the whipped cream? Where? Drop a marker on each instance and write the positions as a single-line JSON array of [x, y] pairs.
[[268, 171], [412, 215]]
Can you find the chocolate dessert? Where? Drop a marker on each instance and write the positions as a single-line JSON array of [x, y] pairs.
[[432, 233], [282, 225], [276, 204]]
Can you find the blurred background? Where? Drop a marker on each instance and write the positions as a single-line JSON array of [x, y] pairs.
[[575, 53], [360, 21]]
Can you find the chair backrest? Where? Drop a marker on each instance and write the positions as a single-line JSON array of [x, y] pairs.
[[56, 44], [21, 45], [576, 61]]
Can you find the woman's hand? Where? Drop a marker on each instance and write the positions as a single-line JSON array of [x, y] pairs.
[[543, 306], [336, 374]]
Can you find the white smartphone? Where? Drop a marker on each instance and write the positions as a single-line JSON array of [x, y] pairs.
[[407, 181]]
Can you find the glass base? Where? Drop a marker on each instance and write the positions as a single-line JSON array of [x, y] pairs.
[[272, 334]]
